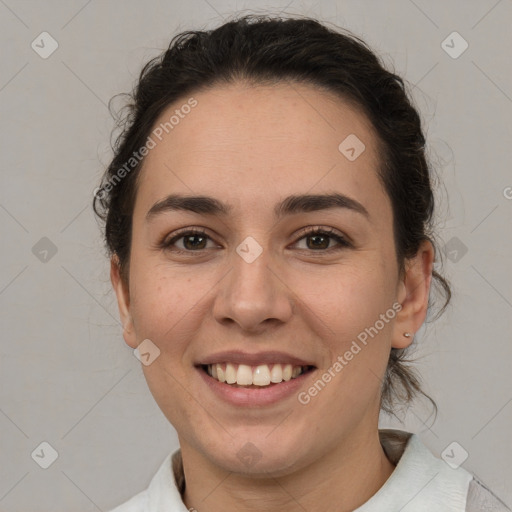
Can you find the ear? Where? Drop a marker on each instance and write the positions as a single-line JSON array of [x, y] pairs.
[[413, 295], [123, 302]]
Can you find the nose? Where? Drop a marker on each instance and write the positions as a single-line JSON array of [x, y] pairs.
[[253, 295]]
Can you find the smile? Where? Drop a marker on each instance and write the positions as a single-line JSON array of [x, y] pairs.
[[254, 375], [244, 379]]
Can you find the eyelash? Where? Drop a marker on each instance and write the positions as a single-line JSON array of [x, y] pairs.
[[343, 243]]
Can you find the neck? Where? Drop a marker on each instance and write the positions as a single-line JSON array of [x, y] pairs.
[[341, 480]]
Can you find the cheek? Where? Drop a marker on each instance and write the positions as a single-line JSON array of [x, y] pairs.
[[347, 299], [162, 306], [347, 311], [164, 309], [353, 315]]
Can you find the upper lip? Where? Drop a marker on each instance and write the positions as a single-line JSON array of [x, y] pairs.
[[238, 357]]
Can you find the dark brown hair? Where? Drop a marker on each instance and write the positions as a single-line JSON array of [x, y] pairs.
[[264, 49]]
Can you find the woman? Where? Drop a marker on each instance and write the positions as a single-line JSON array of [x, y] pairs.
[[269, 215]]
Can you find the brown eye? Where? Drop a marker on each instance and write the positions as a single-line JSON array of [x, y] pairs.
[[193, 241], [321, 239]]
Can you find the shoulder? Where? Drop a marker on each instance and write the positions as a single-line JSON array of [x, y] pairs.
[[482, 499], [431, 481], [163, 492], [138, 503]]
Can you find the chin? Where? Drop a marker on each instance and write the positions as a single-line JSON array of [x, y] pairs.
[[259, 456]]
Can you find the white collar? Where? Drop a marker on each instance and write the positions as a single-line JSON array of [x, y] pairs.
[[420, 481]]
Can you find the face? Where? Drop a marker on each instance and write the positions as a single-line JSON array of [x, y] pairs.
[[257, 288]]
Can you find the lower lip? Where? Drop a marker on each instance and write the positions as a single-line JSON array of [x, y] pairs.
[[251, 397]]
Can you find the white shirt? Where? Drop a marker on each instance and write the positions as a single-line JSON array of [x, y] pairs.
[[420, 482]]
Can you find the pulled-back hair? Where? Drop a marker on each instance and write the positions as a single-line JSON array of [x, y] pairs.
[[264, 49]]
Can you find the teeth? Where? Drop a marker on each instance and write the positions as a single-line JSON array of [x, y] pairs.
[[261, 375], [276, 375], [287, 372], [230, 374], [244, 375]]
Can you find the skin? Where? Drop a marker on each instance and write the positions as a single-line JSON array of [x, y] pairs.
[[250, 146]]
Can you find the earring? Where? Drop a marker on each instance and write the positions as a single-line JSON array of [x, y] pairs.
[[407, 334]]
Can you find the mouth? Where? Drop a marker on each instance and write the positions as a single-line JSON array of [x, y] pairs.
[[254, 376]]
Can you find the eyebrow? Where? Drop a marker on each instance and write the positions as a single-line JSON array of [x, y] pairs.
[[293, 204]]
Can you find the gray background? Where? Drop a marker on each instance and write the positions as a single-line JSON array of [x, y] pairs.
[[66, 376]]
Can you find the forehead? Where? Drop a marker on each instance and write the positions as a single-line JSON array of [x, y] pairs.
[[251, 145]]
